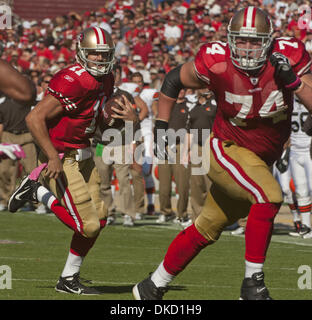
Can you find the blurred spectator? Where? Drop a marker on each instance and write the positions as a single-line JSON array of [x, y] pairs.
[[143, 47], [172, 32]]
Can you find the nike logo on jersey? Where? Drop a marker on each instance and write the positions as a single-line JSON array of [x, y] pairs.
[[254, 90], [18, 196]]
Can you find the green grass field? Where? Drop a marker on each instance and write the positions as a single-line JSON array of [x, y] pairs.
[[123, 256]]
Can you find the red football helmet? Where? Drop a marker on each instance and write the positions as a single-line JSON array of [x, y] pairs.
[[253, 23], [96, 40]]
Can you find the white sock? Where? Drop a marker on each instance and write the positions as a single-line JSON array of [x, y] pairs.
[[72, 265], [161, 277], [45, 196], [251, 268], [305, 218]]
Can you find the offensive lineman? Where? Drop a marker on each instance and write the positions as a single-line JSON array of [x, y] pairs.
[[253, 78]]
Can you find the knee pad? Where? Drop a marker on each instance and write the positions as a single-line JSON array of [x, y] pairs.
[[210, 229], [91, 229]]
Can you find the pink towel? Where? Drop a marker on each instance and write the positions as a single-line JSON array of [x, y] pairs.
[[36, 172]]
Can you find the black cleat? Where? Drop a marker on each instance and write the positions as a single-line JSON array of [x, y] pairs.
[[254, 288], [146, 290], [304, 230], [296, 232], [72, 284], [25, 192]]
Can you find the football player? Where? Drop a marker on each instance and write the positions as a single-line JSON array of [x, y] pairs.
[[20, 88], [62, 124], [301, 169], [15, 85], [254, 78], [281, 172]]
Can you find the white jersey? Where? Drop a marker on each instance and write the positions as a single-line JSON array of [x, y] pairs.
[[130, 87], [299, 140], [149, 95]]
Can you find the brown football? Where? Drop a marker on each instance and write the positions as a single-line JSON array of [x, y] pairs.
[[108, 119]]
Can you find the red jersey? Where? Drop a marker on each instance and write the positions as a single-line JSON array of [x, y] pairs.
[[82, 97], [255, 112]]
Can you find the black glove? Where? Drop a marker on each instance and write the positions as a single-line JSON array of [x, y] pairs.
[[283, 162], [284, 71], [160, 140]]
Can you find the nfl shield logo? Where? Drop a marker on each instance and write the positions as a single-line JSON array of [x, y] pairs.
[[254, 81]]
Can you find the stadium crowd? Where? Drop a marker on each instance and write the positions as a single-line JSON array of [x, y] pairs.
[[149, 39]]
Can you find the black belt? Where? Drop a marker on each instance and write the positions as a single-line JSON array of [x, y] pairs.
[[17, 131]]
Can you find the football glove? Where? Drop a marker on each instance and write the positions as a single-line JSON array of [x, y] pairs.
[[284, 71], [12, 151], [283, 162]]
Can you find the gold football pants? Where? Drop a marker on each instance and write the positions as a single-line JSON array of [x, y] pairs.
[[78, 190], [239, 179]]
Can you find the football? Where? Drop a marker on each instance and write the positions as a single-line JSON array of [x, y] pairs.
[[108, 119]]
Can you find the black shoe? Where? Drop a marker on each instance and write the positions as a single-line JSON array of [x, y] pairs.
[[72, 284], [150, 210], [146, 290], [25, 192], [304, 230], [298, 227], [254, 288]]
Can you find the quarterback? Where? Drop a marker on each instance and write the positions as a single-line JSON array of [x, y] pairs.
[[62, 124], [254, 78]]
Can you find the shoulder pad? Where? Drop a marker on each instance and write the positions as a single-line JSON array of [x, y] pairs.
[[295, 51], [208, 56]]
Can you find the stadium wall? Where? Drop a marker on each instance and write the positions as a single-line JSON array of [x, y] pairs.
[[41, 9]]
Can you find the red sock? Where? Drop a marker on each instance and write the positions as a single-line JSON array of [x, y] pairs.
[[81, 245], [259, 229], [187, 244], [64, 215]]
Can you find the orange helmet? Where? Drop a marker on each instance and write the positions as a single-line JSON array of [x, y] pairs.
[[250, 22]]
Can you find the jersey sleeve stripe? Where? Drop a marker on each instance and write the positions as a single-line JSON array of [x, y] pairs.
[[304, 69], [69, 105], [200, 76]]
